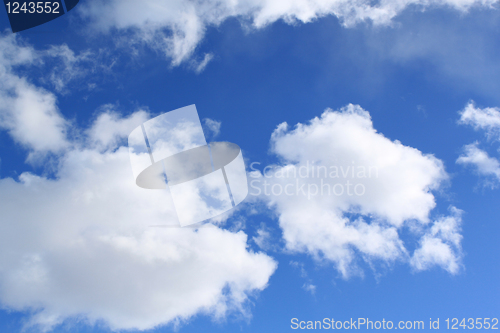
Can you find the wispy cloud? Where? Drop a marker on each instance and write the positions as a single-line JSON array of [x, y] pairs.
[[212, 127], [199, 66], [308, 285], [177, 27]]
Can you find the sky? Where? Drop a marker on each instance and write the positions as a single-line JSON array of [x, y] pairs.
[[370, 132]]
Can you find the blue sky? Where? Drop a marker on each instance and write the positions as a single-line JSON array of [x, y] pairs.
[[425, 78]]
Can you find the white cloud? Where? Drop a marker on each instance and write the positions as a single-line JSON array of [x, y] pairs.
[[307, 286], [110, 127], [199, 66], [458, 51], [263, 238], [177, 27], [441, 244], [486, 119], [84, 248], [483, 163], [63, 65], [79, 245], [69, 66], [14, 53], [29, 113], [362, 190], [212, 126]]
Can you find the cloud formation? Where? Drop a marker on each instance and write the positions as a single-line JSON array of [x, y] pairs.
[[85, 248], [29, 113], [342, 189], [488, 121], [212, 127], [478, 158], [79, 245], [441, 244], [177, 27]]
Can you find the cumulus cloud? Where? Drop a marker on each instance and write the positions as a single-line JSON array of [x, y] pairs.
[[441, 244], [110, 127], [84, 248], [486, 119], [478, 158], [342, 189], [79, 244], [177, 27], [29, 112]]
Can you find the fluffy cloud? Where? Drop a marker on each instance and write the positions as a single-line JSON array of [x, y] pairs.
[[484, 164], [110, 127], [441, 244], [341, 188], [27, 112], [84, 248], [176, 27], [80, 244], [487, 120]]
